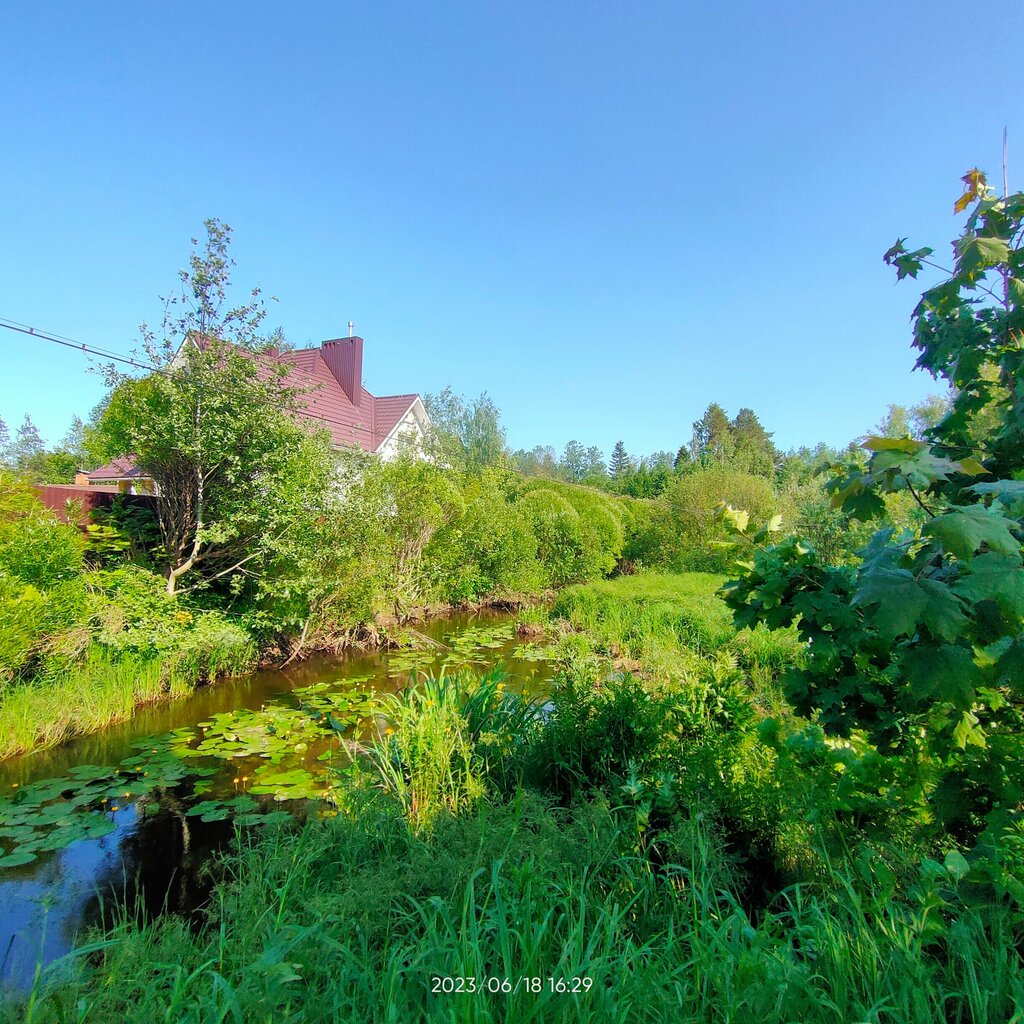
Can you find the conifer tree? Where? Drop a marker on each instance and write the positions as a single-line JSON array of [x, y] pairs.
[[620, 461], [712, 436]]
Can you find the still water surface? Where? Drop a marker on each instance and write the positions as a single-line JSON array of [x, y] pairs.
[[154, 855]]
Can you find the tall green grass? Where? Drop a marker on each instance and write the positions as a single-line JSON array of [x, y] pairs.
[[630, 611], [425, 758], [354, 919], [80, 696], [671, 624], [444, 736]]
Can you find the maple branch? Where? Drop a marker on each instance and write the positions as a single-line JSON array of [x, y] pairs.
[[917, 498], [974, 284]]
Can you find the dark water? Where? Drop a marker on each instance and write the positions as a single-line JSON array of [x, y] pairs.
[[157, 858]]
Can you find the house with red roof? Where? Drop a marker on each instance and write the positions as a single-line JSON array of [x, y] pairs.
[[329, 378]]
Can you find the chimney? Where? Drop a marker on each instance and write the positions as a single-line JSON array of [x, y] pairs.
[[344, 358]]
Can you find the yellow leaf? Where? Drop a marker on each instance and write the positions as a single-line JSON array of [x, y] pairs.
[[975, 182], [972, 467]]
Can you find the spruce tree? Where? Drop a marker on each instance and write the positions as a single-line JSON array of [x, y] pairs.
[[712, 436], [755, 451], [620, 462]]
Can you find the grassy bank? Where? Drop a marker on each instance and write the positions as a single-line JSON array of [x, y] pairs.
[[636, 848], [101, 688]]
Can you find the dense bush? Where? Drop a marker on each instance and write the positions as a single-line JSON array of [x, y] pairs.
[[491, 548], [80, 646], [693, 501]]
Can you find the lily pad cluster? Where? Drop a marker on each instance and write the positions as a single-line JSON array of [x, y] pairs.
[[408, 662], [535, 652], [465, 648], [84, 804], [278, 730]]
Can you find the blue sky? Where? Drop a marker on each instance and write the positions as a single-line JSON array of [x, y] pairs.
[[605, 214]]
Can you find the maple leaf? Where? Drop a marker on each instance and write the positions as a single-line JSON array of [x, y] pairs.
[[914, 461], [963, 530], [968, 731], [907, 264], [976, 252], [997, 577], [903, 603], [974, 182], [1010, 668], [946, 673], [1007, 490]]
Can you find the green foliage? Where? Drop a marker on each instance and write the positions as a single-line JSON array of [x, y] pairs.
[[354, 917], [693, 501], [215, 428], [681, 611], [406, 501], [913, 651], [35, 546], [465, 436], [620, 461], [713, 441], [490, 548], [444, 734], [133, 525], [76, 644], [662, 875], [578, 530], [41, 566]]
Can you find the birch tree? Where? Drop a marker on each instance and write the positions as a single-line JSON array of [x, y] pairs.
[[213, 424]]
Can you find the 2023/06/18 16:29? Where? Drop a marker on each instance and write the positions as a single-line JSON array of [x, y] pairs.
[[458, 985]]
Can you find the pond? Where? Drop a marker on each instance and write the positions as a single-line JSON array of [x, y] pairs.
[[131, 816]]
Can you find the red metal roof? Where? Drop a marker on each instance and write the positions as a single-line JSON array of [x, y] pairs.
[[121, 468], [325, 400], [387, 412]]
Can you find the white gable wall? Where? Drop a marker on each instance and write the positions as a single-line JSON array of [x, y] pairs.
[[409, 431]]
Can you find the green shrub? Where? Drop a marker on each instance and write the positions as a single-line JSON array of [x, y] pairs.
[[596, 735], [561, 543], [693, 501], [490, 549], [35, 546], [22, 624]]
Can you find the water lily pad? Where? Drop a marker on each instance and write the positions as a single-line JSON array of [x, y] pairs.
[[16, 859]]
